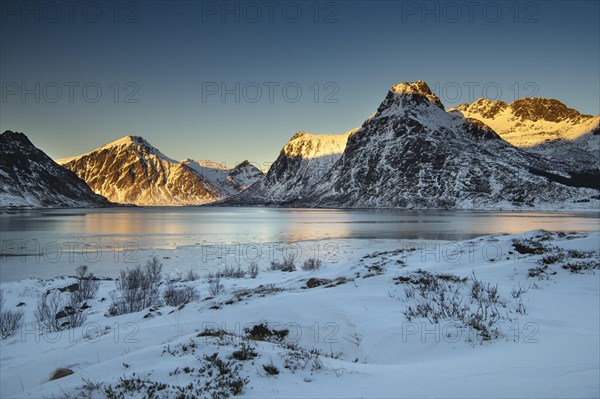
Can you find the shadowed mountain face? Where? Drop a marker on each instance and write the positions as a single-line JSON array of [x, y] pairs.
[[130, 170], [413, 154], [244, 175], [581, 155], [29, 178]]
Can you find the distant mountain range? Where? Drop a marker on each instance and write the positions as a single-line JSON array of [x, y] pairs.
[[227, 181], [29, 178], [411, 153]]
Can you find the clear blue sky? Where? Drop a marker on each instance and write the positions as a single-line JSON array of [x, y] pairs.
[[173, 53]]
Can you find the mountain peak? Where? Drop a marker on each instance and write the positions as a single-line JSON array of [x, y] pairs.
[[128, 140], [242, 164], [407, 95], [418, 88], [298, 135], [531, 109], [15, 136], [548, 109], [138, 143], [487, 102], [135, 144], [483, 106]]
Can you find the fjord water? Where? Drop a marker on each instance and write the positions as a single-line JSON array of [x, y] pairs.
[[47, 243]]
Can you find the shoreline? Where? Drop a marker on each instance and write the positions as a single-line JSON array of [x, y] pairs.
[[594, 206]]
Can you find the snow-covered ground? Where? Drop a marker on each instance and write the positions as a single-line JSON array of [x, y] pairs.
[[368, 325]]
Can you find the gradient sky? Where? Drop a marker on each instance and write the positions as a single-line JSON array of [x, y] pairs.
[[172, 51]]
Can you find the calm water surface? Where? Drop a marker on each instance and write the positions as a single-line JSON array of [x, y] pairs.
[[156, 228]]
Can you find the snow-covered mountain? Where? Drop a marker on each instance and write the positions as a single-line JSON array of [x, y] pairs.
[[244, 175], [300, 165], [130, 170], [543, 126], [30, 178], [227, 181], [413, 154], [530, 121]]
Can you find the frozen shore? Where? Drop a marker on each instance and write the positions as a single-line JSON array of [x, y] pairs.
[[394, 319]]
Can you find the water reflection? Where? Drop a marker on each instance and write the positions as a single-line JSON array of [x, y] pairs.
[[158, 227], [42, 234]]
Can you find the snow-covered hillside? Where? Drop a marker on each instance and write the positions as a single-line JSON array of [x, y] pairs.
[[495, 316], [301, 163], [311, 146], [132, 171], [227, 181], [31, 179], [543, 126]]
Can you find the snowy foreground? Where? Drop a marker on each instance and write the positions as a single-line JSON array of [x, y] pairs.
[[410, 322]]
